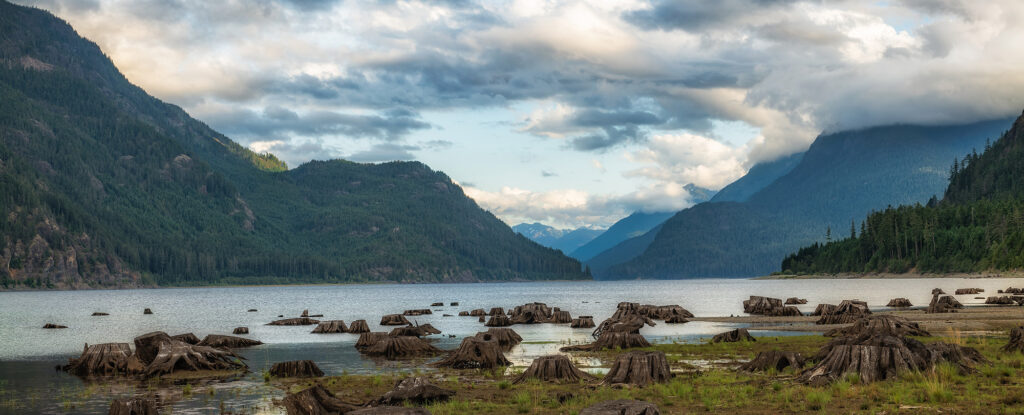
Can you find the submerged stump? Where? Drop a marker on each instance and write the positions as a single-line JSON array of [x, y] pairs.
[[532, 313], [397, 347], [173, 356], [498, 320], [240, 330], [107, 359], [147, 311], [560, 317], [823, 309], [359, 326], [394, 320], [416, 391], [846, 312], [228, 342], [774, 359], [475, 353], [639, 368], [582, 322], [737, 335], [795, 300], [53, 326], [301, 321], [553, 368], [965, 291], [676, 320], [316, 401], [134, 406], [418, 331], [496, 311], [296, 369], [369, 339], [899, 303], [418, 312], [943, 304], [330, 326], [478, 313]]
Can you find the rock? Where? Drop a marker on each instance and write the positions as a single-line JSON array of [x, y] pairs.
[[437, 304], [301, 321], [98, 313], [532, 313], [147, 311], [676, 320], [419, 312], [794, 300], [228, 342], [359, 326], [506, 337], [732, 336], [416, 391], [846, 312], [823, 309], [639, 368], [943, 304], [53, 326], [560, 317], [475, 353], [965, 291], [582, 322], [240, 330], [296, 369], [187, 338], [107, 359], [331, 326], [135, 406], [899, 302], [478, 313], [316, 401], [886, 323], [621, 407], [394, 320], [499, 320], [1016, 343], [553, 368], [415, 330], [778, 360], [396, 347], [369, 339], [496, 311]]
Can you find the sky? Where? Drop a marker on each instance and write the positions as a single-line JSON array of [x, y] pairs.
[[569, 113]]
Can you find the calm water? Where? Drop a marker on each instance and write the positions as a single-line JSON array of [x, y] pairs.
[[28, 354]]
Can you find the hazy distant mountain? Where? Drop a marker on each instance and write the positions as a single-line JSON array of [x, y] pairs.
[[839, 180], [565, 240], [758, 177], [104, 185]]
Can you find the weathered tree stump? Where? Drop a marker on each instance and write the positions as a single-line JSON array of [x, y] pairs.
[[416, 391], [532, 313], [100, 313], [760, 305], [296, 369], [359, 326], [305, 313], [582, 322], [475, 353], [174, 356], [394, 320], [418, 331], [611, 340], [148, 345], [463, 314], [301, 321], [553, 368], [639, 368], [252, 310], [795, 300], [1000, 300], [187, 338], [627, 324], [1012, 290], [397, 347], [883, 323], [899, 303], [478, 313], [1016, 343], [108, 359], [498, 320], [496, 311], [316, 401], [240, 330], [369, 339], [937, 291], [846, 312], [943, 304], [506, 337], [676, 320], [134, 406], [418, 312], [966, 291], [654, 312], [560, 317], [331, 326], [453, 303], [228, 342], [147, 311], [53, 326], [778, 360], [823, 309], [437, 304], [732, 336], [621, 407]]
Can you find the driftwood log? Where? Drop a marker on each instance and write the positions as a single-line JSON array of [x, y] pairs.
[[582, 322], [475, 353], [418, 312], [621, 407], [506, 337], [301, 321], [359, 326], [296, 369], [498, 320], [943, 304], [133, 406], [899, 302], [1016, 343], [846, 312], [416, 391], [394, 320], [108, 359], [398, 347], [316, 401], [639, 368], [794, 300], [774, 359], [553, 368], [240, 330], [732, 336], [330, 327], [252, 310], [53, 326], [228, 342], [965, 291]]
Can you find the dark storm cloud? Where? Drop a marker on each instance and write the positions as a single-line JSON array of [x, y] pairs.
[[695, 15], [610, 136]]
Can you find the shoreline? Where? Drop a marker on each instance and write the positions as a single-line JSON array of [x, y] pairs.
[[889, 275]]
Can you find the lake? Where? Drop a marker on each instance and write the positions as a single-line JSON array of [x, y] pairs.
[[28, 353]]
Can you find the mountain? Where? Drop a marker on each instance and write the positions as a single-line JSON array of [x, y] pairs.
[[758, 177], [565, 240], [840, 179], [699, 194], [102, 185], [629, 227], [977, 226]]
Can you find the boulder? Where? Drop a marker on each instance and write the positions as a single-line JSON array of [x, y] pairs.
[[394, 320], [475, 353], [774, 359], [301, 321], [794, 300], [498, 320], [553, 368], [621, 407], [1016, 343], [359, 326], [582, 322], [899, 303], [53, 326], [330, 327], [418, 312], [639, 368], [134, 406], [240, 330], [966, 291], [415, 391], [398, 347], [943, 304], [187, 338], [296, 369], [506, 337], [107, 359], [846, 312], [316, 401], [228, 342], [732, 336]]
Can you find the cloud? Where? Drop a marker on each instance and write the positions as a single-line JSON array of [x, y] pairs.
[[384, 152], [687, 158], [546, 173]]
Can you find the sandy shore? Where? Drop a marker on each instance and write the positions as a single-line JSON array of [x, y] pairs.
[[886, 275], [970, 320]]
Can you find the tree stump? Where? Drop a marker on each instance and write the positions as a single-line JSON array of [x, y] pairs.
[[147, 311], [437, 304], [506, 337], [1016, 343], [884, 323], [475, 353], [369, 339], [176, 356], [418, 312], [532, 313], [416, 391], [846, 312], [774, 359], [660, 312], [611, 340], [359, 326], [240, 330], [418, 331], [394, 320], [498, 320], [621, 407], [627, 324], [639, 368], [676, 320], [899, 303], [582, 322], [187, 338], [134, 406], [943, 304], [107, 359], [560, 317], [453, 303], [316, 401], [1000, 300], [148, 345], [496, 311], [795, 300], [301, 321], [463, 314], [823, 309], [330, 326], [305, 313], [54, 326], [396, 347], [966, 291], [737, 335], [252, 310], [228, 342], [553, 368], [760, 305], [296, 369], [478, 313]]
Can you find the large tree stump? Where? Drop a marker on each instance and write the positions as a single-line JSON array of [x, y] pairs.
[[369, 339], [611, 340], [553, 368], [148, 345], [627, 324], [418, 330], [108, 359], [943, 304], [1016, 343], [475, 353], [176, 356], [498, 320], [316, 401], [397, 347], [582, 322], [301, 321], [479, 312], [731, 336], [134, 406], [496, 311], [883, 323], [417, 312], [823, 309], [560, 317], [621, 407], [965, 291], [761, 305], [846, 312], [416, 391], [506, 337], [187, 338], [639, 368], [147, 311], [774, 359], [1000, 300], [240, 330], [795, 300], [937, 291], [330, 326], [532, 313], [899, 303], [394, 320], [358, 327], [228, 342], [296, 369]]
